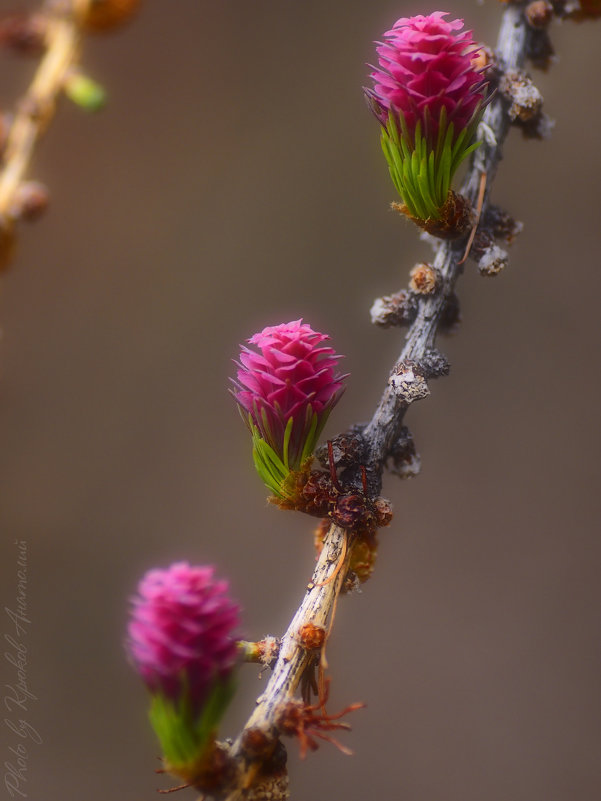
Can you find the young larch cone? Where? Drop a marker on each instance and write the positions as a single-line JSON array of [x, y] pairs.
[[285, 392], [428, 95], [180, 640]]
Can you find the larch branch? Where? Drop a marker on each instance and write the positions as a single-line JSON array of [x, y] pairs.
[[384, 428]]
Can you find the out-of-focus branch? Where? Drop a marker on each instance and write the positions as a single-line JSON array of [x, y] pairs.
[[36, 109], [55, 30]]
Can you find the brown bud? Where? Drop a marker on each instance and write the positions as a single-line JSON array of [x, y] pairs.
[[425, 279], [317, 494], [493, 261], [398, 309], [30, 201], [104, 15], [539, 13], [349, 511], [502, 225], [526, 101], [383, 512], [256, 743], [268, 650], [408, 383], [312, 637], [289, 719], [24, 33]]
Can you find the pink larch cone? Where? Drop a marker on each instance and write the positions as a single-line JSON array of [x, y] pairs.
[[427, 64], [180, 635], [286, 391]]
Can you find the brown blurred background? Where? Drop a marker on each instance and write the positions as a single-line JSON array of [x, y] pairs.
[[235, 181]]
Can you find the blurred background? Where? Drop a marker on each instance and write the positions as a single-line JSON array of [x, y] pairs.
[[235, 181]]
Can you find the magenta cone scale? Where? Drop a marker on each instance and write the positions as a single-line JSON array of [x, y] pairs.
[[428, 95], [427, 64], [286, 390], [180, 635]]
